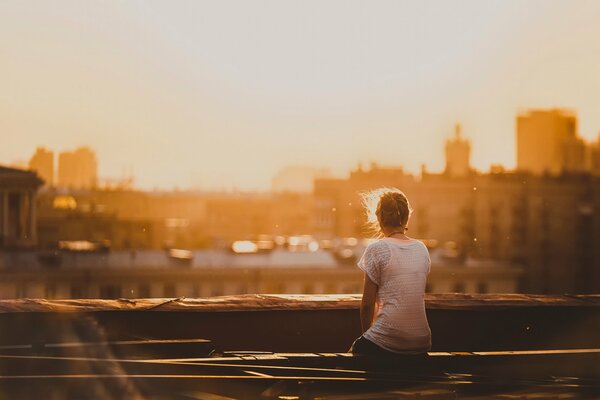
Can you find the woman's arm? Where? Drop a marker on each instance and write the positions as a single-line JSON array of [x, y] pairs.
[[367, 305]]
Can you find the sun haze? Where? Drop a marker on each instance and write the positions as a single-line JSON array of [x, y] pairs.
[[225, 94]]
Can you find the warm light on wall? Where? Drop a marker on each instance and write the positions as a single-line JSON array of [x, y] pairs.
[[64, 203], [244, 246]]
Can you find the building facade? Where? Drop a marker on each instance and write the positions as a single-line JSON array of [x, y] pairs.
[[77, 169], [548, 224], [458, 155], [18, 222], [548, 142], [110, 282], [42, 162]]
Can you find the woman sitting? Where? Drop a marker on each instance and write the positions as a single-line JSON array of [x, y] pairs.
[[392, 311]]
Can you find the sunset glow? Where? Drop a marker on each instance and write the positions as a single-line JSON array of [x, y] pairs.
[[217, 95]]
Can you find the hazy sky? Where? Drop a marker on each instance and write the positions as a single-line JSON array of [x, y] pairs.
[[222, 93]]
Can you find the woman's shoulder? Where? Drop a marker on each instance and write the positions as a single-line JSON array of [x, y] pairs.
[[375, 243], [403, 242], [385, 245], [421, 244], [377, 248], [412, 245], [422, 247]]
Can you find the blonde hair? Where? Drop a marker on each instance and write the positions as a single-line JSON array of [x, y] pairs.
[[387, 207]]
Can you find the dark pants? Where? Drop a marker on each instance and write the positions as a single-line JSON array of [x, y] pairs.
[[364, 346]]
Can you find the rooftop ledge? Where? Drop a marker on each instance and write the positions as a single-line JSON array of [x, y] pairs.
[[307, 323], [267, 302]]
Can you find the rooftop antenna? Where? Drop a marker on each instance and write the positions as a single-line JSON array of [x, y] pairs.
[[457, 129]]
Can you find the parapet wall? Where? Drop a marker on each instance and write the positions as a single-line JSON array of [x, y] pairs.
[[305, 323]]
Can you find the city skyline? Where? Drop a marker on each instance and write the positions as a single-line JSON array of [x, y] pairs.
[[227, 99], [299, 199], [551, 143]]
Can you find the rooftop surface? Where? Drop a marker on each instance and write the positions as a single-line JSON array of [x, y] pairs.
[[294, 347]]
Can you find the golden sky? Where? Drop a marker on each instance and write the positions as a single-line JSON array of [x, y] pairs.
[[224, 93]]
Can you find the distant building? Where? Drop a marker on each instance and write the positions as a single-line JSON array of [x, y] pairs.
[[337, 207], [169, 219], [594, 156], [576, 155], [77, 169], [42, 162], [232, 217], [458, 155], [544, 223], [68, 274], [18, 190], [547, 142], [297, 179]]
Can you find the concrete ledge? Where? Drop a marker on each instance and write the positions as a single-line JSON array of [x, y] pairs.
[[258, 302], [298, 323]]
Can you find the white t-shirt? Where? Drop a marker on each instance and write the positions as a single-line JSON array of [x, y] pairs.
[[399, 268]]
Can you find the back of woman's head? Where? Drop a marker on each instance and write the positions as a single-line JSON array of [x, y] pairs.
[[386, 207]]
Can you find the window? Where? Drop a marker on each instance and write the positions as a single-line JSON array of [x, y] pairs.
[[144, 291], [308, 288], [216, 290], [330, 288], [458, 287], [21, 291], [482, 287], [78, 292], [110, 291], [195, 291], [169, 290], [50, 291], [351, 288]]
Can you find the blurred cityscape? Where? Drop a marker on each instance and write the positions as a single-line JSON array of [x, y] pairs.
[[66, 233], [182, 188]]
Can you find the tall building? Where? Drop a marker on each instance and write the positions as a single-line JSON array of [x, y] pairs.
[[458, 154], [42, 162], [547, 142], [297, 178], [576, 155], [594, 156], [77, 169]]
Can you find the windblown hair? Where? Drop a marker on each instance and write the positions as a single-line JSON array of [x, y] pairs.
[[385, 207]]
